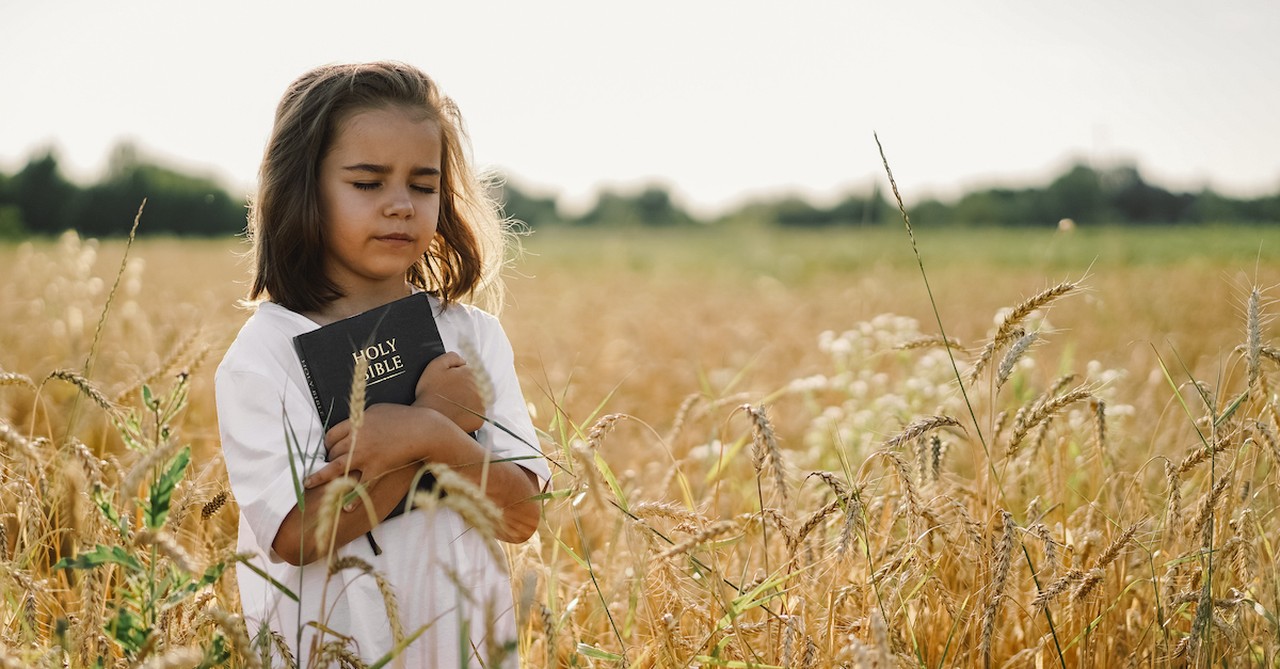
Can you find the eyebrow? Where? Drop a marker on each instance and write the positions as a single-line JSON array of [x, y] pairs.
[[383, 169]]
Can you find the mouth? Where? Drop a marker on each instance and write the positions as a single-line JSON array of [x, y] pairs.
[[395, 237]]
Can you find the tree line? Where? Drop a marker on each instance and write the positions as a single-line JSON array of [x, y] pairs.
[[38, 199], [1081, 194]]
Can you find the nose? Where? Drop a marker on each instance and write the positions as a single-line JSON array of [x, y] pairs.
[[399, 204]]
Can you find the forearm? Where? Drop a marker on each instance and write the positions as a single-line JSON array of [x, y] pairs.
[[296, 540], [509, 486], [406, 437]]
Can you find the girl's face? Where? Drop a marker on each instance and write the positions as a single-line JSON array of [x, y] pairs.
[[380, 199]]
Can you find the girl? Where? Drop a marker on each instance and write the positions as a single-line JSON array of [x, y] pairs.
[[365, 196]]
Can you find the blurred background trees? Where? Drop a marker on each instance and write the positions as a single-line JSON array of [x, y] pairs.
[[39, 200]]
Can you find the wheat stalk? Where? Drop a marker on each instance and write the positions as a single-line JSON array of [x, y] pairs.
[[356, 399], [331, 503], [669, 510], [815, 519], [144, 466], [481, 376], [1041, 531], [929, 342], [233, 626], [1014, 354], [1041, 413], [15, 379], [595, 484], [597, 432], [682, 415], [176, 658], [712, 531], [1008, 329], [1056, 587], [15, 440], [470, 502], [765, 449], [989, 350], [915, 506], [1109, 555], [1200, 525], [384, 587], [168, 547], [211, 507], [999, 582], [179, 352], [919, 428], [91, 391], [1253, 330], [1039, 301]]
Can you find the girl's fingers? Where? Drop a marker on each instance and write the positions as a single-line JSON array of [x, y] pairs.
[[338, 432], [338, 449], [329, 472]]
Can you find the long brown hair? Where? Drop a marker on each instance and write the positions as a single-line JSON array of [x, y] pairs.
[[286, 224]]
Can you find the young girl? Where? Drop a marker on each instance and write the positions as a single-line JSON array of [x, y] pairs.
[[365, 196]]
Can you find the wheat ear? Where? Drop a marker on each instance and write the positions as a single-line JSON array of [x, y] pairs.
[[919, 428], [1253, 332], [388, 593], [91, 391], [710, 532], [765, 448], [1043, 412], [1009, 329], [1011, 358], [1004, 555]]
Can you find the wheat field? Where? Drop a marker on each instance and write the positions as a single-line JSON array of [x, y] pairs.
[[764, 453]]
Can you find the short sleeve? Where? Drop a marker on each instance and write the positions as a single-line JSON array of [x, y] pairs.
[[510, 434], [269, 442]]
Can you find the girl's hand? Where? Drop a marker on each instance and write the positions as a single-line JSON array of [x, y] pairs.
[[388, 440], [449, 387]]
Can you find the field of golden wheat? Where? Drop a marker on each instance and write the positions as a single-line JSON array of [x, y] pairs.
[[763, 452]]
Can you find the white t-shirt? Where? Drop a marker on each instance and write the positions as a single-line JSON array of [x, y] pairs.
[[441, 573]]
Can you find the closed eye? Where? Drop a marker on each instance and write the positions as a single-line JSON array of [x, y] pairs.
[[375, 185]]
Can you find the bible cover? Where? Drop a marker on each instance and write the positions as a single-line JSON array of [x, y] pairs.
[[398, 339]]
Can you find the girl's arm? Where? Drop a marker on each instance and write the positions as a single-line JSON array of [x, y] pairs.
[[296, 540], [426, 435], [391, 444], [388, 465]]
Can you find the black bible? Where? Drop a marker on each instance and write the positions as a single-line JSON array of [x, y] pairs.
[[397, 340]]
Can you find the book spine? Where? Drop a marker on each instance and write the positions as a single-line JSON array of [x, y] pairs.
[[311, 384]]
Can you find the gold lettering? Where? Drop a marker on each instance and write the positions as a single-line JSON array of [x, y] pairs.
[[371, 353]]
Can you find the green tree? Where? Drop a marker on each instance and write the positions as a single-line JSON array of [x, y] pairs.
[[794, 211], [43, 197], [862, 210], [930, 212], [10, 215], [1137, 201], [532, 210], [1077, 195], [652, 206], [176, 203]]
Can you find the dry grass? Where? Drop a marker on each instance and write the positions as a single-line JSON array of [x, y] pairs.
[[797, 481]]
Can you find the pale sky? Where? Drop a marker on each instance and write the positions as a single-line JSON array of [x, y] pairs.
[[719, 101]]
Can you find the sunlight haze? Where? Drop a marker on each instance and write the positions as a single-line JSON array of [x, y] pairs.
[[719, 101]]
